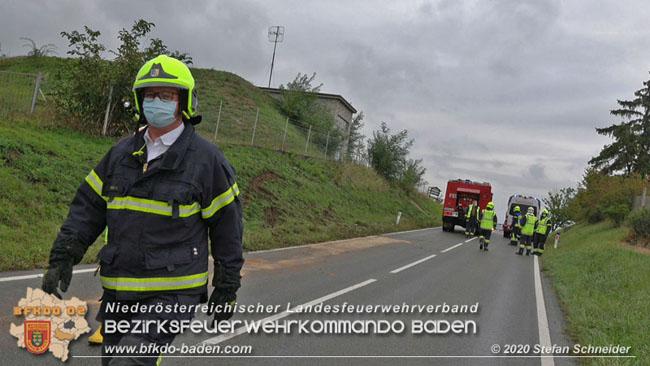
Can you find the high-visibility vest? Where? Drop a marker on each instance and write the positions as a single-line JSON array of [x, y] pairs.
[[541, 226], [487, 220], [469, 211], [516, 219], [529, 227]]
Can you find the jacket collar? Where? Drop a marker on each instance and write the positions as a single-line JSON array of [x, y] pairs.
[[173, 157]]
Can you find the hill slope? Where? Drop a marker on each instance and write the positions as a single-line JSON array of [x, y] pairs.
[[239, 101]]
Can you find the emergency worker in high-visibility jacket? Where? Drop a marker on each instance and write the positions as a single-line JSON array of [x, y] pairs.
[[165, 194], [541, 233], [528, 227], [472, 219], [515, 233], [488, 221]]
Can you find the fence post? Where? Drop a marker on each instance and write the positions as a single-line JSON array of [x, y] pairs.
[[216, 130], [255, 125], [327, 142], [36, 89], [308, 135], [108, 111], [284, 137]]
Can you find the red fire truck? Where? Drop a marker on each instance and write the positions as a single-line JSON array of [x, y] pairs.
[[460, 194]]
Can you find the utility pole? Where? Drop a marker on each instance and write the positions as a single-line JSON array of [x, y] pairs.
[[276, 34]]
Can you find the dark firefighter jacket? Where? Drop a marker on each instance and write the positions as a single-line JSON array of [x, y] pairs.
[[159, 216]]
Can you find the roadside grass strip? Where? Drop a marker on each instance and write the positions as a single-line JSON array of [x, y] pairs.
[[604, 290]]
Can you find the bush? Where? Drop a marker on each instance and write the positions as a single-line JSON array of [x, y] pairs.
[[82, 91], [639, 222], [617, 213], [602, 196]]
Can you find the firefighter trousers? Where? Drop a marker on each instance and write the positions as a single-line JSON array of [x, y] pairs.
[[538, 243], [471, 226], [485, 236], [141, 345], [525, 243]]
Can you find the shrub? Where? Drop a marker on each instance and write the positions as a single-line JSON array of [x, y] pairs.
[[617, 213], [639, 221]]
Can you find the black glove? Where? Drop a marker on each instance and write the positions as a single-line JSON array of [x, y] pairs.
[[226, 284], [65, 253]]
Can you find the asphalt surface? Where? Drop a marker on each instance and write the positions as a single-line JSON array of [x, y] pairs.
[[423, 267]]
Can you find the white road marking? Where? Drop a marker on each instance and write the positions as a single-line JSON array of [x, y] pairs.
[[450, 248], [412, 264], [284, 314], [542, 320], [40, 275], [467, 241]]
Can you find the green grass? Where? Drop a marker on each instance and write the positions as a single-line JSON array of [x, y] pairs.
[[604, 290], [288, 199], [239, 100], [40, 169]]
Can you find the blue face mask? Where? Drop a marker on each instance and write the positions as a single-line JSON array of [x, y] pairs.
[[159, 113]]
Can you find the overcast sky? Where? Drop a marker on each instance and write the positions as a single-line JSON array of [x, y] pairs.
[[505, 91]]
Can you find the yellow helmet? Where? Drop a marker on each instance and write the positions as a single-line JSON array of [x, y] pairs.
[[167, 71]]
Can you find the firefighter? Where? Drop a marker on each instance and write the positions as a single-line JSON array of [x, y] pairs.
[[516, 226], [488, 220], [541, 233], [472, 219], [527, 230], [163, 193]]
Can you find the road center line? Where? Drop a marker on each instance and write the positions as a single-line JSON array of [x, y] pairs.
[[450, 248], [40, 275], [467, 241], [542, 320], [412, 264], [284, 314]]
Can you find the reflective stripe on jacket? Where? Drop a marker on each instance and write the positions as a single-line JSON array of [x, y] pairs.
[[160, 216]]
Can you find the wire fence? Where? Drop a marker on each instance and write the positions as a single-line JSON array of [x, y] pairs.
[[223, 122], [18, 92]]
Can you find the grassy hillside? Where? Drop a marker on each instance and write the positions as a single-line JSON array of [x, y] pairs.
[[238, 98], [288, 199], [604, 290]]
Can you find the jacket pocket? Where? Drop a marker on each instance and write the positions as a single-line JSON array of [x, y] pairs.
[[179, 192], [107, 254], [157, 256], [115, 187]]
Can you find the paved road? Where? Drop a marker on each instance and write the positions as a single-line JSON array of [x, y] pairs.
[[423, 267]]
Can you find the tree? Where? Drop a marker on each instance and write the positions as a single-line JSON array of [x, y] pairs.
[[558, 205], [298, 96], [387, 153], [37, 52], [630, 151], [83, 90], [355, 139], [412, 176], [299, 103]]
